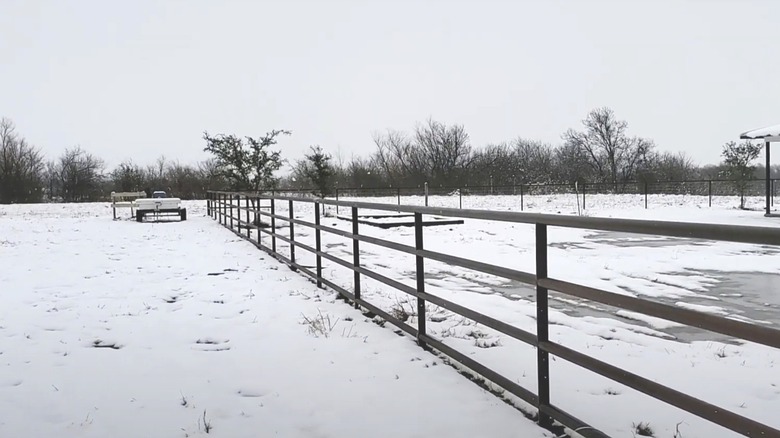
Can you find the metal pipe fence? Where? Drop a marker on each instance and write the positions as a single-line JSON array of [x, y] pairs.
[[221, 207], [711, 188]]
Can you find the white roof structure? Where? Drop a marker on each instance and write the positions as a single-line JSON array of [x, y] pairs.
[[769, 131]]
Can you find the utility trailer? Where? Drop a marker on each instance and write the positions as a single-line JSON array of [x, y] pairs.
[[159, 205]]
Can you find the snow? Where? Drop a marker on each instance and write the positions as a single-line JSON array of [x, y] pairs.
[[683, 272], [113, 328], [769, 131], [121, 283]]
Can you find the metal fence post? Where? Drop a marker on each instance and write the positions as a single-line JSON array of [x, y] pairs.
[[645, 195], [318, 242], [238, 212], [709, 192], [584, 189], [521, 196], [418, 244], [208, 205], [231, 212], [398, 193], [273, 225], [248, 222], [356, 254], [542, 328], [460, 198], [223, 208], [337, 200], [292, 234], [426, 194], [256, 220]]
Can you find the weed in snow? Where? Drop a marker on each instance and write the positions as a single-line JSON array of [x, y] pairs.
[[319, 325]]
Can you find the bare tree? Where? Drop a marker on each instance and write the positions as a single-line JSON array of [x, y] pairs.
[[78, 175], [128, 177], [613, 155], [21, 167]]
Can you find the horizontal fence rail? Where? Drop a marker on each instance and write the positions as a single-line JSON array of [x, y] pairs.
[[233, 210], [710, 188]]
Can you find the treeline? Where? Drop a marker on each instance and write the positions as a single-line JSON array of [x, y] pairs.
[[602, 151], [80, 176]]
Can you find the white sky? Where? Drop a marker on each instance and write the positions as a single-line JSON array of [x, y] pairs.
[[136, 79]]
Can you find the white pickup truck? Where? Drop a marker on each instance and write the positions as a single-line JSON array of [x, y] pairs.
[[159, 205]]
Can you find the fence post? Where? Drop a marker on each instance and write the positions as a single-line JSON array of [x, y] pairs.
[[418, 244], [292, 234], [231, 212], [398, 193], [709, 192], [248, 222], [426, 194], [584, 189], [356, 254], [337, 200], [257, 219], [773, 192], [542, 328], [273, 225], [460, 198], [208, 205], [238, 212], [521, 197], [645, 195], [318, 242], [223, 210]]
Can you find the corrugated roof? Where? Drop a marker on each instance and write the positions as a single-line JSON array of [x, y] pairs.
[[769, 131]]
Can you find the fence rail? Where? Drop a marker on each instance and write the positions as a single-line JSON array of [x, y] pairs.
[[227, 209]]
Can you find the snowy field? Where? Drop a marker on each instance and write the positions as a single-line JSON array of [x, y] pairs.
[[119, 329], [113, 328]]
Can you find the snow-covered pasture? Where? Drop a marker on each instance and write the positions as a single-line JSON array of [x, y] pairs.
[[119, 329], [236, 344], [739, 281]]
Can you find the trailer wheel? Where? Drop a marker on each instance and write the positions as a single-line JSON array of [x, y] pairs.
[[183, 214]]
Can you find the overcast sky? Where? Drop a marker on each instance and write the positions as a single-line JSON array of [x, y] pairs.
[[136, 79]]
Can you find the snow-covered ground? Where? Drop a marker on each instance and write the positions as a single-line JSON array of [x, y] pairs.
[[734, 280], [118, 329], [234, 345]]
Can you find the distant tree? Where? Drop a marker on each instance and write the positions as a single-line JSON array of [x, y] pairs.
[[316, 169], [21, 167], [249, 165], [78, 175], [211, 175], [613, 155], [128, 177], [737, 167], [184, 181]]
